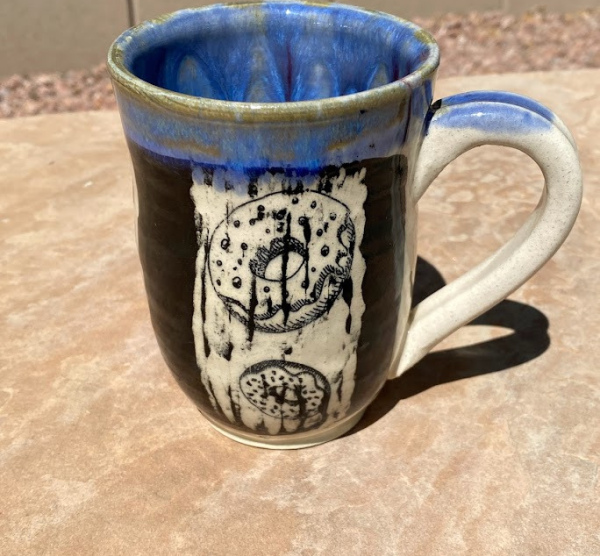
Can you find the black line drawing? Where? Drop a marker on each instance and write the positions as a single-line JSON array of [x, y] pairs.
[[279, 252], [287, 391], [280, 261]]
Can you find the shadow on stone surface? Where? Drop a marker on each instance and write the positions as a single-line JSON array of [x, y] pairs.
[[529, 340]]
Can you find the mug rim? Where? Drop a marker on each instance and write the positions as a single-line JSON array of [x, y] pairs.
[[240, 112]]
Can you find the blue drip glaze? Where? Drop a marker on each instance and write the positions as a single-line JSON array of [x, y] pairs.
[[503, 97], [275, 52], [495, 111], [292, 145]]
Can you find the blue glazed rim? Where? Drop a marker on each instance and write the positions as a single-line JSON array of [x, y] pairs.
[[241, 112]]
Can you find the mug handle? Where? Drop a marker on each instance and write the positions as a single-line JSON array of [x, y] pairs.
[[455, 125]]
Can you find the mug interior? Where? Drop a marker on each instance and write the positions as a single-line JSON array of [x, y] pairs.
[[274, 52]]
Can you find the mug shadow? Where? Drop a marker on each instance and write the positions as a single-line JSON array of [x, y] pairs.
[[529, 339]]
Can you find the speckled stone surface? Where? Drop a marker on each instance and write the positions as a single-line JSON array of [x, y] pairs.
[[487, 449]]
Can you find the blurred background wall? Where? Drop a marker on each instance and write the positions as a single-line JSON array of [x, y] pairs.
[[58, 35]]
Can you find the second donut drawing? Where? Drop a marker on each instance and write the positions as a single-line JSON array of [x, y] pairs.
[[279, 262]]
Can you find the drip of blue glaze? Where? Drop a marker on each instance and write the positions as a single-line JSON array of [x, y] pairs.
[[379, 76], [192, 80], [264, 84], [315, 82]]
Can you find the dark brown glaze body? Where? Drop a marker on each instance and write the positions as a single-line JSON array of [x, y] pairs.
[[168, 249]]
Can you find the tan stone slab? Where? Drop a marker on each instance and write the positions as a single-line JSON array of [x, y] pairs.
[[490, 449], [58, 35]]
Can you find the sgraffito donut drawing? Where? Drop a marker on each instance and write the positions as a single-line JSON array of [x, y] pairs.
[[287, 391], [279, 262], [278, 292]]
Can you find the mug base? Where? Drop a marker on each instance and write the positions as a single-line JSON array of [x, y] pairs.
[[288, 442]]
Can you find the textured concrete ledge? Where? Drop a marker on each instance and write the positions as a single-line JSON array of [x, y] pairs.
[[488, 449]]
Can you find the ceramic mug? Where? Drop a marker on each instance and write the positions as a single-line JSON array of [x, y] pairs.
[[280, 150]]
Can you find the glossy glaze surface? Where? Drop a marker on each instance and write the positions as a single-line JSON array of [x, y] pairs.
[[359, 107], [274, 235], [200, 352]]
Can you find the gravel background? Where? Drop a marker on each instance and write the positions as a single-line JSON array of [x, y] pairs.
[[474, 43]]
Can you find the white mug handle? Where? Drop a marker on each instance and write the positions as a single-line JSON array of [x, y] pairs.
[[455, 125]]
